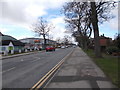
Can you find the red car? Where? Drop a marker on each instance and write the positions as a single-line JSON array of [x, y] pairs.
[[50, 48]]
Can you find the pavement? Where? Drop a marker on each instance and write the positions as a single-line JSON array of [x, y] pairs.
[[79, 71]]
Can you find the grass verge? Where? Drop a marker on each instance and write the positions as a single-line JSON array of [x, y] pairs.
[[109, 65]]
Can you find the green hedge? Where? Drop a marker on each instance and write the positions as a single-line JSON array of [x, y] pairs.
[[112, 49]]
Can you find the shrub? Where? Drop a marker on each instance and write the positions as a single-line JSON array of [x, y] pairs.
[[112, 49]]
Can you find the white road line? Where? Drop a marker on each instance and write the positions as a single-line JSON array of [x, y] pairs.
[[37, 57], [8, 70], [21, 60], [35, 60]]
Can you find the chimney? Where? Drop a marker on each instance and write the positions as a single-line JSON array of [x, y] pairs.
[[103, 35]]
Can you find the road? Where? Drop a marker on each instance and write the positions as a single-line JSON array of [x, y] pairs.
[[25, 71]]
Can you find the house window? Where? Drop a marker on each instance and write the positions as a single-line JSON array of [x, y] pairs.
[[3, 48]]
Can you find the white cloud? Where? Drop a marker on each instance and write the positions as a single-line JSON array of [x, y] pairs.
[[57, 32], [24, 13], [4, 30], [35, 11], [13, 11], [114, 22], [23, 36], [27, 10], [58, 20]]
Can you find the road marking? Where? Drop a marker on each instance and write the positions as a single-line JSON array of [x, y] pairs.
[[50, 74], [21, 60], [35, 60], [46, 76], [37, 57], [8, 70]]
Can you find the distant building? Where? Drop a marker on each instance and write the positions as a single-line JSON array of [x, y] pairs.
[[51, 42], [32, 40], [10, 44], [32, 43], [36, 43]]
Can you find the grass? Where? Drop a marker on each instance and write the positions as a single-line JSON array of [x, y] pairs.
[[109, 65]]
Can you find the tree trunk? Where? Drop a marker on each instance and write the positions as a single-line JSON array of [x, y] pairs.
[[85, 45], [94, 20], [84, 42], [44, 41]]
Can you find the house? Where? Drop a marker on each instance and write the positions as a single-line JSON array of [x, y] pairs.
[[104, 42], [7, 47], [10, 44]]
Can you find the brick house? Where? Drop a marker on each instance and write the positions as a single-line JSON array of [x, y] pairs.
[[104, 42]]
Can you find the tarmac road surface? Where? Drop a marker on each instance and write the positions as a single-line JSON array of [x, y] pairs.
[[25, 71]]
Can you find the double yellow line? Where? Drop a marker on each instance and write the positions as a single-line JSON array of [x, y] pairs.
[[47, 76]]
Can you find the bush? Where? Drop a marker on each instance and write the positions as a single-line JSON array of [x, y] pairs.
[[112, 49]]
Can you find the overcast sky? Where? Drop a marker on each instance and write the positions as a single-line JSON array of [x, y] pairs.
[[16, 17]]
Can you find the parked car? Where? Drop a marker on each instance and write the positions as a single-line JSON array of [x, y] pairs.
[[63, 47], [74, 46], [59, 46], [50, 48], [66, 46]]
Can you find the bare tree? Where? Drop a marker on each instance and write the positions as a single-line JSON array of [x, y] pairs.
[[88, 14], [100, 12], [66, 39], [42, 27], [58, 40], [77, 19]]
